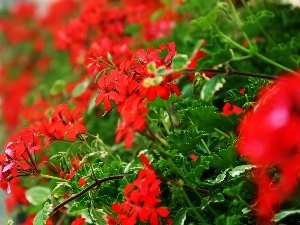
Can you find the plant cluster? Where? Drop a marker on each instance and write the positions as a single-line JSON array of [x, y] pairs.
[[150, 112]]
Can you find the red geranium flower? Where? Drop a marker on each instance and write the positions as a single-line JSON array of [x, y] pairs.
[[141, 199]]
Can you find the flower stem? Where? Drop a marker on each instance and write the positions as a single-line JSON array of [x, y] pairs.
[[193, 208], [238, 21], [232, 72], [237, 45], [52, 177], [169, 113], [259, 24], [97, 183]]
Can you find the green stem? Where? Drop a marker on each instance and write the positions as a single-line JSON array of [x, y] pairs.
[[169, 113], [193, 208], [232, 42], [238, 21], [108, 150], [231, 72], [274, 63], [237, 45], [173, 166], [222, 133], [205, 146], [53, 178], [259, 24], [92, 150], [156, 136], [90, 187]]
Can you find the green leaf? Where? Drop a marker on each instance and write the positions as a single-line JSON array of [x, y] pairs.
[[234, 191], [251, 28], [214, 199], [240, 169], [61, 189], [80, 88], [224, 219], [285, 53], [218, 53], [206, 22], [80, 203], [219, 179], [180, 217], [160, 103], [212, 86], [37, 195], [189, 140], [42, 216], [216, 162], [236, 98], [285, 213], [197, 172], [98, 216], [206, 118], [180, 62], [57, 87], [228, 155]]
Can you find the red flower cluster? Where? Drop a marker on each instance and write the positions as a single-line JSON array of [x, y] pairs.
[[101, 25], [124, 86], [141, 200], [64, 123], [269, 139], [18, 158]]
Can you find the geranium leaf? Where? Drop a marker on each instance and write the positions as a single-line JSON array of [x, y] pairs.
[[285, 213], [80, 88], [180, 217], [214, 199], [234, 191], [206, 22], [37, 195], [218, 53], [240, 169], [79, 204], [179, 62], [212, 86], [42, 216], [61, 189], [251, 27], [98, 215], [228, 155], [57, 87]]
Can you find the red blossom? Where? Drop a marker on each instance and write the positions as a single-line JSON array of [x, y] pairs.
[[78, 221], [81, 182], [231, 109], [64, 123], [107, 88], [132, 112], [269, 140], [18, 158], [141, 199]]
